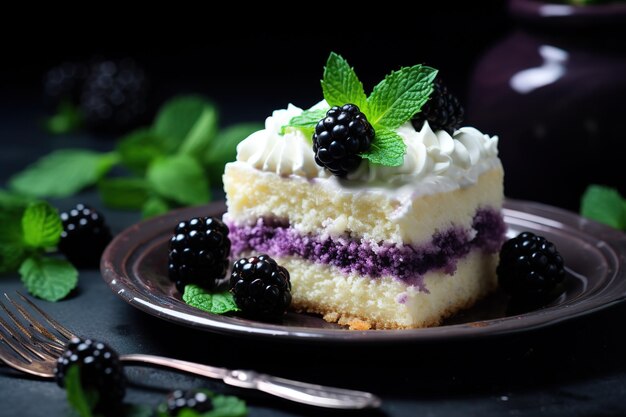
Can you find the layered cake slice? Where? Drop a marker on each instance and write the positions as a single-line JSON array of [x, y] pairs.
[[369, 241]]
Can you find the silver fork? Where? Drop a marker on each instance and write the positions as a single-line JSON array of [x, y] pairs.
[[29, 346]]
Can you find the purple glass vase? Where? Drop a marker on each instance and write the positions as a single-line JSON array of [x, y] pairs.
[[554, 91]]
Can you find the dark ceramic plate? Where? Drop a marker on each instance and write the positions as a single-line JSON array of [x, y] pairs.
[[135, 267]]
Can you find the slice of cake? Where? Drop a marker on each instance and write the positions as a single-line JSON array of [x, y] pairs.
[[369, 241]]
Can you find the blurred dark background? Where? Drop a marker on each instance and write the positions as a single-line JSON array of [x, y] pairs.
[[553, 140], [252, 68]]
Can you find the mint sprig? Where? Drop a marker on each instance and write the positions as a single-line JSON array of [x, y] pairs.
[[393, 102], [605, 205], [305, 121], [184, 145], [29, 230], [401, 95], [216, 303], [341, 84]]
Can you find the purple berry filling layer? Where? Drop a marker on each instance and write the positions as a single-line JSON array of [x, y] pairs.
[[405, 262]]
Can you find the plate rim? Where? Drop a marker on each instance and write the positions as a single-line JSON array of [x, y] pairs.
[[112, 272]]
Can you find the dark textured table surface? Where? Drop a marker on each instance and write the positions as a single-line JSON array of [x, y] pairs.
[[574, 369]]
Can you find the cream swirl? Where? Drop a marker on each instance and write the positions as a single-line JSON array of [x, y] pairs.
[[287, 154], [430, 156]]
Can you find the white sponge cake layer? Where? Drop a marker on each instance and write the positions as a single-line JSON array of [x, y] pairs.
[[319, 206], [387, 303]]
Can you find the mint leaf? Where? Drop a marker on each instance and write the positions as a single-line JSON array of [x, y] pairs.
[[12, 250], [387, 149], [41, 225], [139, 148], [68, 118], [341, 85], [187, 124], [217, 303], [306, 121], [605, 205], [11, 256], [124, 193], [63, 173], [81, 401], [180, 178], [155, 206], [223, 148], [227, 406], [48, 278], [397, 98]]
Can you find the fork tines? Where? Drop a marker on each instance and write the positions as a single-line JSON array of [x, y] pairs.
[[29, 340]]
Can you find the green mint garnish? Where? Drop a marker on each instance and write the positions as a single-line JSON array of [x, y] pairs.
[[179, 178], [49, 278], [63, 173], [127, 193], [305, 121], [80, 400], [341, 85], [388, 149], [68, 118], [187, 123], [41, 225], [393, 102], [216, 303], [223, 148], [397, 98], [605, 205], [185, 128], [28, 229]]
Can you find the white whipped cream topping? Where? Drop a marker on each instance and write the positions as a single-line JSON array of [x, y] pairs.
[[288, 154], [434, 161]]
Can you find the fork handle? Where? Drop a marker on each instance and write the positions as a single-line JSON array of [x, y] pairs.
[[302, 392]]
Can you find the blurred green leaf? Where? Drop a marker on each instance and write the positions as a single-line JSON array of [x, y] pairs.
[[124, 193], [68, 118], [82, 402], [48, 278], [139, 148], [155, 206], [223, 148], [41, 225], [605, 205], [63, 173], [187, 124], [179, 178]]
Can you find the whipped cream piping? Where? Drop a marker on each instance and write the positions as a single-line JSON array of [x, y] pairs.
[[432, 157]]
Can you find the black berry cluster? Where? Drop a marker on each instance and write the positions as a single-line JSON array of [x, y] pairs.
[[84, 237], [340, 137], [261, 287], [112, 95], [530, 268], [198, 253], [443, 111], [100, 370]]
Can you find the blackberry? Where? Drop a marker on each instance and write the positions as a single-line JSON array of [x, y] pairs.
[[198, 253], [114, 95], [443, 111], [100, 370], [340, 137], [261, 287], [530, 268], [84, 236], [195, 400]]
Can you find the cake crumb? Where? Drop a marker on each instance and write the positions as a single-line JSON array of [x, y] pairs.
[[357, 324]]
